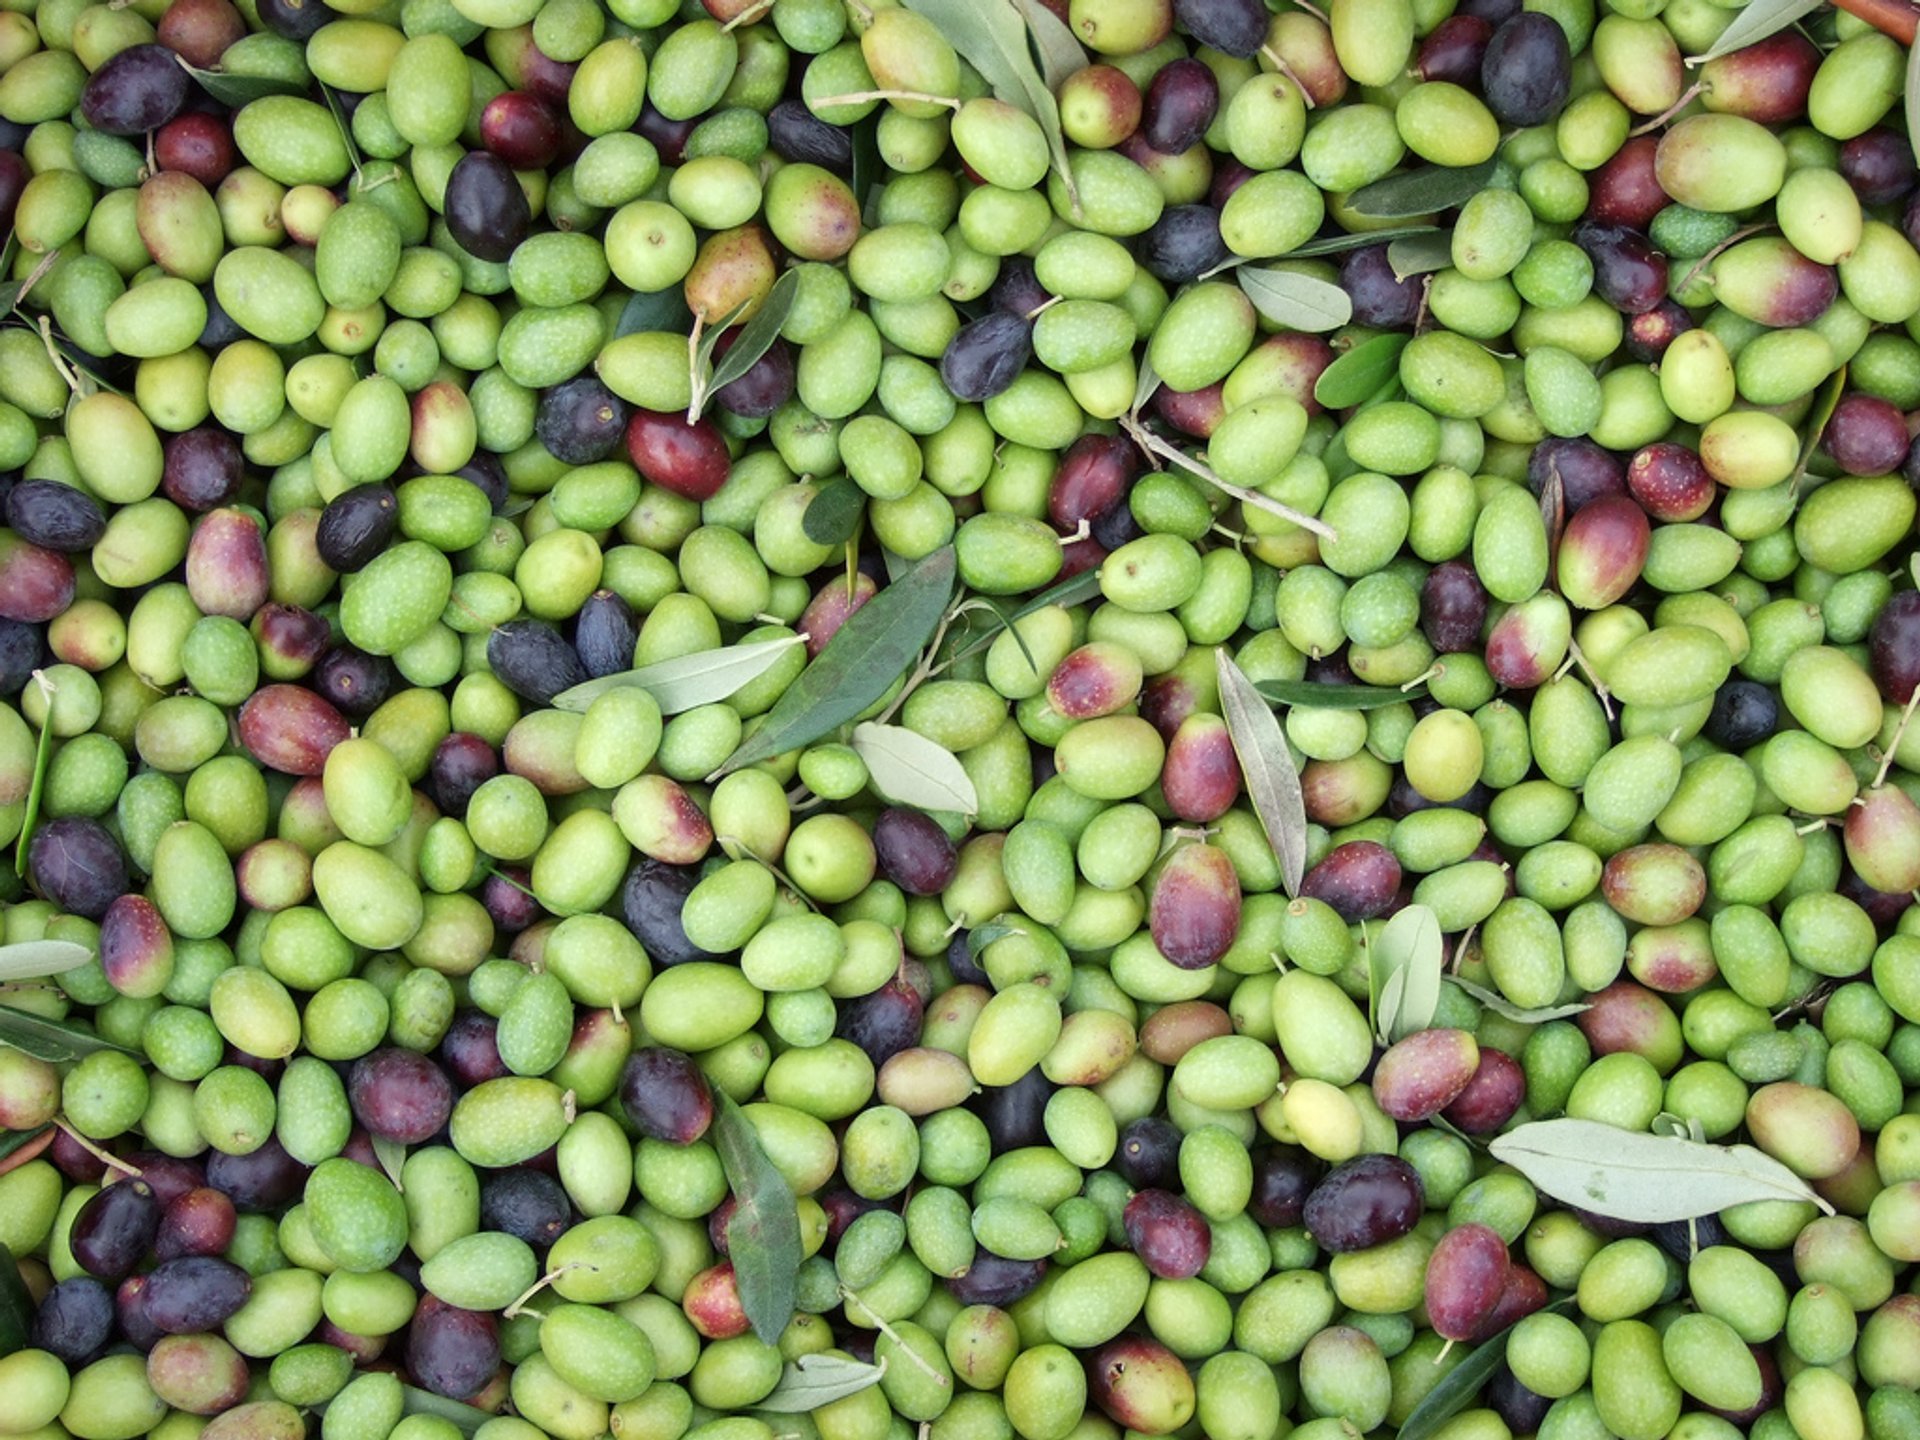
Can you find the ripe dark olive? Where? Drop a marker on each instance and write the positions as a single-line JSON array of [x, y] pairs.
[[357, 683], [1183, 244], [1233, 27], [604, 634], [527, 1204], [202, 467], [914, 852], [665, 1096], [800, 137], [580, 421], [987, 355], [356, 526], [77, 865], [486, 209], [1365, 1202], [138, 90], [1527, 71], [74, 1321], [55, 515], [650, 904], [111, 1233], [534, 661], [521, 129]]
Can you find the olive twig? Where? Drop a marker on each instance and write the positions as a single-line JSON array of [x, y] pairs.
[[1893, 744], [105, 1158], [1154, 445], [1272, 57], [1745, 232], [748, 16], [74, 383], [1599, 685], [1687, 97], [852, 1297], [534, 1289]]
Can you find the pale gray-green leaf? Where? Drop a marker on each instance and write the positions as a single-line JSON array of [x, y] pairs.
[[1411, 944], [1756, 22], [816, 1380], [907, 768], [1060, 53], [31, 959], [1500, 1005], [1298, 301], [687, 681], [1420, 254], [1267, 765], [392, 1156], [1648, 1179]]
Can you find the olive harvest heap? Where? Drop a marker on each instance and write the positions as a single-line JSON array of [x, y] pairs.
[[959, 720]]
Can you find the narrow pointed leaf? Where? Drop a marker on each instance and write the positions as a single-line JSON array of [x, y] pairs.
[[55, 1041], [1360, 372], [1460, 1386], [392, 1156], [43, 753], [1421, 191], [1143, 389], [834, 513], [1267, 766], [415, 1401], [687, 681], [1316, 695], [1359, 240], [655, 310], [1297, 301], [31, 959], [238, 90], [871, 650], [1756, 22], [1828, 399], [1420, 254], [867, 167], [1068, 592], [1060, 53], [991, 37], [981, 936], [815, 1380], [1649, 1179], [763, 1234], [16, 1305], [758, 334], [907, 768], [1913, 98], [1500, 1005]]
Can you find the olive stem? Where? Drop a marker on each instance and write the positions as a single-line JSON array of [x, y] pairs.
[[1687, 97], [696, 382], [1599, 685], [1460, 949], [1232, 264], [778, 873], [853, 1297], [94, 1150], [1042, 308], [59, 361], [925, 669], [1425, 675], [1082, 531], [534, 1289], [748, 16], [861, 97], [1893, 745], [1153, 444], [1272, 57], [1745, 232]]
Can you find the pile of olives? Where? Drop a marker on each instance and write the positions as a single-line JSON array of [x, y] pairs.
[[1518, 395]]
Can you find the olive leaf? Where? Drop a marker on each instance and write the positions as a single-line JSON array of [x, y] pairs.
[[340, 120], [1146, 386], [834, 513], [15, 1140], [55, 1041], [872, 648], [1059, 51], [1068, 592], [1755, 23], [468, 1418], [1500, 1005], [687, 681], [981, 936], [16, 1306], [906, 768], [1823, 406], [1913, 98], [815, 1380], [392, 1155], [763, 1233], [1648, 1179], [1298, 301], [1360, 372], [1420, 254], [990, 36], [1267, 765], [1404, 963], [41, 755], [1358, 240], [31, 959], [758, 334], [700, 359], [867, 165], [1421, 191], [238, 90], [655, 310], [1467, 1374], [1320, 695]]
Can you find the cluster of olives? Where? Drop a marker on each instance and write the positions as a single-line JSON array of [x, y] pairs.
[[440, 1049]]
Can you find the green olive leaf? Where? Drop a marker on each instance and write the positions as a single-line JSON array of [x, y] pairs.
[[1467, 1374], [758, 334], [1059, 51], [1361, 371], [1756, 22], [763, 1233], [1298, 301], [1420, 192], [1319, 695], [834, 513], [655, 310], [31, 959], [55, 1041], [906, 768], [1267, 765], [687, 681], [415, 1401], [392, 1156], [1420, 254], [41, 755], [981, 936], [867, 165], [1648, 1179], [339, 114], [1145, 387], [1404, 963], [16, 1306], [870, 650], [1824, 404], [1913, 98], [238, 90], [1500, 1005], [1358, 240], [990, 36], [815, 1380], [1068, 592]]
